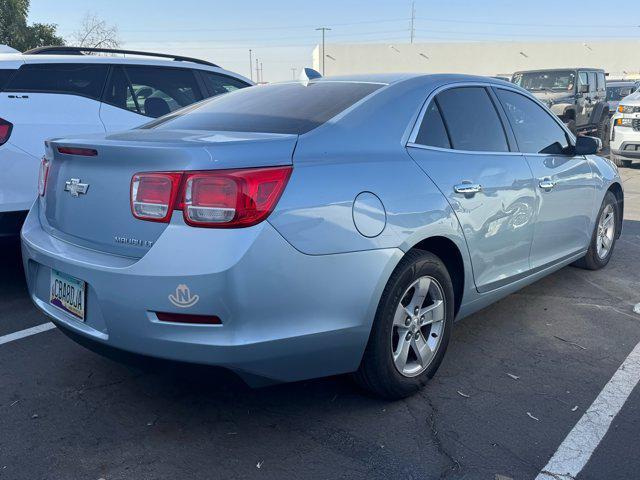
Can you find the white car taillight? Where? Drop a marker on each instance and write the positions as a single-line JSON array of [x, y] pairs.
[[42, 176], [153, 195]]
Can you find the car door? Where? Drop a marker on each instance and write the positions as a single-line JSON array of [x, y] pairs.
[[462, 145], [136, 94], [565, 188]]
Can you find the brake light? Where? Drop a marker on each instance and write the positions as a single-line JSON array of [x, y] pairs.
[[83, 152], [153, 195], [216, 199], [42, 176], [5, 131]]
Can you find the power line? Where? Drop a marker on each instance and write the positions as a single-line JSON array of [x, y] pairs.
[[516, 24]]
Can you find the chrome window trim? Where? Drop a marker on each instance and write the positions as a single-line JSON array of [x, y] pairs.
[[464, 152], [416, 126]]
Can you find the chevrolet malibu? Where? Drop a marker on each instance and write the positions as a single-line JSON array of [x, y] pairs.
[[314, 228]]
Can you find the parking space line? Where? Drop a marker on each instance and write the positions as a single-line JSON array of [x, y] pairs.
[[576, 449], [26, 333]]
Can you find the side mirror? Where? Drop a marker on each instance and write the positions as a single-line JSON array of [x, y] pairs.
[[587, 145], [583, 88]]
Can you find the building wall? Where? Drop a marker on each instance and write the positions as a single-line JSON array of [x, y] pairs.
[[618, 58]]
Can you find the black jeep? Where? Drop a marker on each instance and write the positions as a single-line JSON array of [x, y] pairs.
[[577, 95]]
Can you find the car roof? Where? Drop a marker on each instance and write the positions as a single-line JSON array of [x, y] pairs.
[[14, 60], [391, 78], [560, 69]]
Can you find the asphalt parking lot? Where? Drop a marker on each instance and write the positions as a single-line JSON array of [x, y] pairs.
[[516, 379]]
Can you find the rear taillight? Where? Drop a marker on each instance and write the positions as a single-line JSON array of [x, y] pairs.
[[153, 195], [217, 199], [5, 131], [232, 198], [42, 176]]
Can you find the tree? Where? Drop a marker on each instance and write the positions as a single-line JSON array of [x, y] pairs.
[[95, 32], [15, 32]]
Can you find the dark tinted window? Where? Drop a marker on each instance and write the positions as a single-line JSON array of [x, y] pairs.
[[277, 108], [72, 78], [5, 75], [218, 84], [152, 91], [472, 120], [535, 130], [432, 131]]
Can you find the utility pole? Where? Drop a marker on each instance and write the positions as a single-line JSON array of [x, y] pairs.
[[293, 73], [257, 71], [413, 21], [261, 73], [251, 64], [323, 29]]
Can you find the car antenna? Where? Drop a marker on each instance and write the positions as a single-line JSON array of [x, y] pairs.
[[308, 74]]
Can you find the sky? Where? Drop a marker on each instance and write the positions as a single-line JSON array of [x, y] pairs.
[[281, 33]]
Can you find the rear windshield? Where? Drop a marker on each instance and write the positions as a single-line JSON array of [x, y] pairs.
[[278, 108], [73, 78], [616, 93]]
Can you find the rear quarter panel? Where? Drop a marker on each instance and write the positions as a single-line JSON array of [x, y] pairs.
[[364, 151]]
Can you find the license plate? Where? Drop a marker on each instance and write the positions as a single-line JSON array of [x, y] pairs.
[[68, 294]]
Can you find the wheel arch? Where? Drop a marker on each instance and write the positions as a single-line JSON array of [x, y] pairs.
[[447, 250], [616, 189]]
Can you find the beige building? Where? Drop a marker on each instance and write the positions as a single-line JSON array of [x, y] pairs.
[[620, 58]]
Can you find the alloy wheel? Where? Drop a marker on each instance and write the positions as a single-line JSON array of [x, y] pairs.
[[606, 231], [418, 324]]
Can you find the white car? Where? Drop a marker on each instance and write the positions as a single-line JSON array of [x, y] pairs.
[[57, 91], [625, 131]]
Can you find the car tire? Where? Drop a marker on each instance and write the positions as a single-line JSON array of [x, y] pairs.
[[391, 334], [597, 258], [603, 131], [621, 162]]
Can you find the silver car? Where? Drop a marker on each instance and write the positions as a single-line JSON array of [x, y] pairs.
[[314, 228]]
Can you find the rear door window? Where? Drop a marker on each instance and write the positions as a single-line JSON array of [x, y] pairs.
[[472, 120], [432, 131], [152, 91], [68, 78], [277, 108], [218, 84]]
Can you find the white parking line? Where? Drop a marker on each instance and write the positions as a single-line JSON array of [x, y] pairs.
[[575, 451], [26, 333]]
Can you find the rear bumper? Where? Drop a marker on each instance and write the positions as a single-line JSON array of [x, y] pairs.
[[286, 316]]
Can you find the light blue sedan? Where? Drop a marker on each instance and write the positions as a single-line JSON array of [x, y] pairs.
[[313, 228]]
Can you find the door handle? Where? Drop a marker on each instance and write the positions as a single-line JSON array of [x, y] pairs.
[[546, 184], [467, 188]]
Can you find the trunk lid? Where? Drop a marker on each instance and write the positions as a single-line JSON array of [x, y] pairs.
[[101, 218]]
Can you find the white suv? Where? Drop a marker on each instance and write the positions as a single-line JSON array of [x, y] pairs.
[[625, 131], [56, 91]]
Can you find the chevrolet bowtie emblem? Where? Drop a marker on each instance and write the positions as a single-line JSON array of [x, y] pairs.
[[75, 188]]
